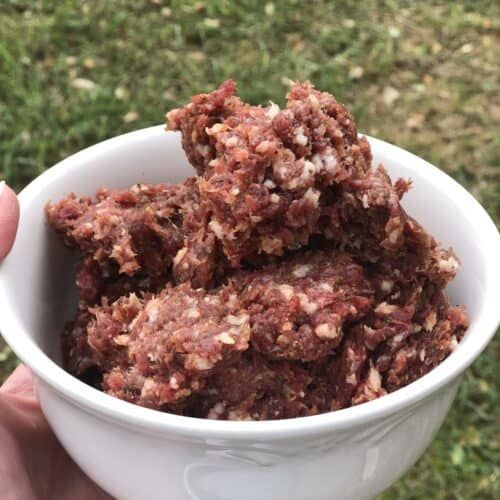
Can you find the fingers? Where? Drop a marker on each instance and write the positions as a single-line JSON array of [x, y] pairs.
[[20, 382], [9, 217]]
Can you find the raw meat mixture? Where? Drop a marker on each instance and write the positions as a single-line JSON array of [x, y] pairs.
[[284, 280]]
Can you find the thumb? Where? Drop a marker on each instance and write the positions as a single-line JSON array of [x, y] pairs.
[[9, 217], [20, 382]]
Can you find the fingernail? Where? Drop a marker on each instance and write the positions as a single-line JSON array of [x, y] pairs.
[[2, 185]]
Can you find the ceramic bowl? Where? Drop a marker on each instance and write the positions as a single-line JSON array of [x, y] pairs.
[[137, 453]]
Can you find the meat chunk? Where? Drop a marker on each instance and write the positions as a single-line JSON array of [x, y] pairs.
[[157, 232], [204, 111], [139, 228], [172, 344], [364, 214], [434, 337], [254, 389], [394, 345], [93, 341], [263, 170], [78, 357], [299, 307], [95, 280]]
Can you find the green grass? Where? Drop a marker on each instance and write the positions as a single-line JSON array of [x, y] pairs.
[[423, 75]]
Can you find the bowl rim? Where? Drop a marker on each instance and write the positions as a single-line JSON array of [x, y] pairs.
[[140, 418]]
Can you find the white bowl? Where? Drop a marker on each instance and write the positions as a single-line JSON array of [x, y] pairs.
[[136, 453]]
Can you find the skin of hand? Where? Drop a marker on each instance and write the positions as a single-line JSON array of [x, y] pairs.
[[33, 465]]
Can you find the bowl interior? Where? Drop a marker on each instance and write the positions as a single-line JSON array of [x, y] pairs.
[[37, 279]]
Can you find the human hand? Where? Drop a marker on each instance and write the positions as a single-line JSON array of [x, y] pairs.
[[33, 465]]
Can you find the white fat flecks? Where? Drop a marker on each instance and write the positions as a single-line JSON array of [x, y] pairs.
[[326, 287], [312, 196], [313, 101], [306, 305], [193, 313], [203, 149], [453, 343], [152, 310], [430, 321], [305, 178], [216, 227], [121, 340], [395, 234], [148, 387], [301, 270], [232, 300], [327, 331], [225, 338], [397, 339], [308, 171], [286, 290], [180, 255], [300, 138], [265, 146], [449, 265], [374, 380], [364, 201], [215, 129], [237, 320], [197, 362], [232, 141], [216, 411], [386, 286], [385, 309], [273, 110], [325, 162], [174, 384]]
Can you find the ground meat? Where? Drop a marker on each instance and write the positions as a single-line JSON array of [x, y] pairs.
[[156, 232], [431, 341], [172, 343], [136, 228], [254, 389], [180, 350], [78, 357], [365, 214], [394, 345], [285, 280], [204, 111], [298, 308], [264, 169], [95, 280]]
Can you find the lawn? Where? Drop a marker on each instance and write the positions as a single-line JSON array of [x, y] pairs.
[[423, 75]]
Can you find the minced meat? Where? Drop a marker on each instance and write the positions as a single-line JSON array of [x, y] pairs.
[[263, 170], [284, 280], [318, 332]]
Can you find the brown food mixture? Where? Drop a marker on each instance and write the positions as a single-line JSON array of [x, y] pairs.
[[284, 280]]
